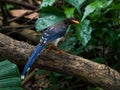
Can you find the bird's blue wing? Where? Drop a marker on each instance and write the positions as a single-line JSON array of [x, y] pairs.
[[53, 33], [50, 34], [32, 59]]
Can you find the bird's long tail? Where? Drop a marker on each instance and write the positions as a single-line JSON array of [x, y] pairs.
[[32, 59]]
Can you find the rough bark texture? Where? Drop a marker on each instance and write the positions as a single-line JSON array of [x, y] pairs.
[[31, 35], [92, 72]]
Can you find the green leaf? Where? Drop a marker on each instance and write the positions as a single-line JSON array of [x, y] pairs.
[[97, 5], [111, 37], [69, 12], [9, 6], [46, 11], [52, 77], [76, 3], [68, 29], [46, 3], [47, 21], [9, 76], [83, 31], [68, 44], [11, 88], [40, 72], [115, 6], [9, 82], [57, 74]]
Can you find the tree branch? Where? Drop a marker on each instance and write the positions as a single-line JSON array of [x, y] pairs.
[[19, 3], [98, 74]]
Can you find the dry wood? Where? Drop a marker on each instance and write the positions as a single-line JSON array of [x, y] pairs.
[[25, 32], [87, 70], [19, 3]]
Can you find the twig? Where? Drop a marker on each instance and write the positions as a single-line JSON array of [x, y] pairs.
[[19, 26], [19, 3], [27, 13], [29, 76]]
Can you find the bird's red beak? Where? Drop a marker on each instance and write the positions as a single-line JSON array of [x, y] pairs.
[[75, 21]]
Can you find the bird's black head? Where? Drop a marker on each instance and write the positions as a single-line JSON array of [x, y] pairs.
[[71, 21]]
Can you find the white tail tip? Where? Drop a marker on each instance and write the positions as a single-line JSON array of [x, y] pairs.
[[22, 76]]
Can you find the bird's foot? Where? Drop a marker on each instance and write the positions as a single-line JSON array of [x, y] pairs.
[[59, 51], [49, 47], [53, 47]]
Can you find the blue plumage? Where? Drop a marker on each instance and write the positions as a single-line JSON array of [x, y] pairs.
[[54, 32], [32, 58]]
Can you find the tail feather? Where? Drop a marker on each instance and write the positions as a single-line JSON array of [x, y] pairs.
[[32, 59]]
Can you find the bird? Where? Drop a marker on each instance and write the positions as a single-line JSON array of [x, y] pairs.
[[54, 32]]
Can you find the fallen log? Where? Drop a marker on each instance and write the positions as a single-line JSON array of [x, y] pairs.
[[89, 71]]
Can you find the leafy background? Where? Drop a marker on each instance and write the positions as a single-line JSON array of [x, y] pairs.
[[97, 37], [98, 29]]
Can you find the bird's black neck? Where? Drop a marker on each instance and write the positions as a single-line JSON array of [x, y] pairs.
[[68, 21]]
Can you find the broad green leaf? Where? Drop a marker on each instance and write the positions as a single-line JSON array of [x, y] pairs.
[[9, 76], [96, 5], [11, 88], [47, 21], [9, 6], [76, 3], [68, 44], [9, 71], [115, 6], [69, 12], [46, 3], [46, 11], [9, 82], [84, 32]]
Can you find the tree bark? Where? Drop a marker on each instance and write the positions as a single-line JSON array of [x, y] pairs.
[[89, 71]]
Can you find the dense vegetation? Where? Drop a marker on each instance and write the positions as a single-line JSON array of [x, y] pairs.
[[97, 37], [98, 31]]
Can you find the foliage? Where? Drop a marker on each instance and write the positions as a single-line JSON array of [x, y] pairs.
[[76, 3], [99, 24], [9, 76], [46, 3], [83, 31], [95, 7], [96, 37], [9, 6], [69, 12], [42, 23], [52, 16]]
